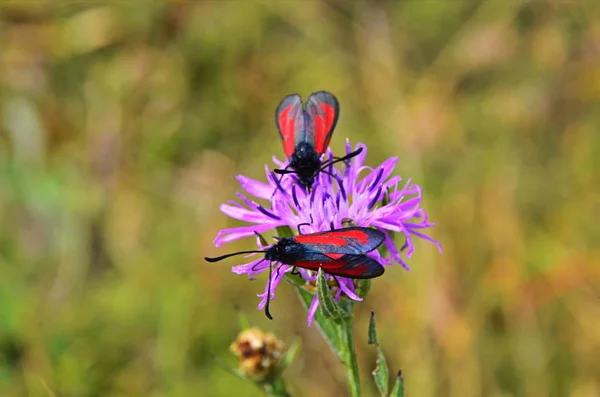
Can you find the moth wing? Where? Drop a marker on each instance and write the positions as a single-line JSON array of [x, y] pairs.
[[352, 240], [291, 122], [350, 266], [322, 110]]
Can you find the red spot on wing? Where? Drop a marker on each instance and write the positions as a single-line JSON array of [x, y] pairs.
[[352, 272], [337, 238], [334, 256], [315, 265], [323, 127], [310, 265], [287, 127], [362, 237], [321, 239], [335, 267]]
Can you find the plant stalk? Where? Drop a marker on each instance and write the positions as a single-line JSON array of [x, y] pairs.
[[276, 389], [350, 362]]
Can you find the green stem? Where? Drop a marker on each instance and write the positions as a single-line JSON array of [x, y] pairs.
[[276, 389], [350, 362]]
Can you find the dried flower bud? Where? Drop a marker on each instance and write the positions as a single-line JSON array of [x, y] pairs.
[[259, 353]]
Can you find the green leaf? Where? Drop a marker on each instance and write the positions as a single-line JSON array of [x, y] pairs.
[[328, 305], [284, 231], [381, 371], [271, 387], [383, 251], [338, 335], [372, 330], [329, 329], [275, 389], [289, 355], [363, 288], [232, 371], [386, 198], [263, 241], [398, 390], [295, 280], [242, 319]]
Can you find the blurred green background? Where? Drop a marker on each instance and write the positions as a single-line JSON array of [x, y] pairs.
[[123, 125]]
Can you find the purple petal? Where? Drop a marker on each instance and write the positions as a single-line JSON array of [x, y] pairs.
[[391, 247], [425, 237], [295, 197], [243, 214], [312, 310], [255, 188], [348, 289], [279, 164], [393, 181], [341, 187], [308, 276], [246, 200], [337, 295], [360, 158], [375, 184], [250, 268], [276, 277], [267, 213], [387, 167], [236, 233], [349, 192], [375, 198], [259, 242], [410, 203], [418, 225], [275, 180], [386, 224]]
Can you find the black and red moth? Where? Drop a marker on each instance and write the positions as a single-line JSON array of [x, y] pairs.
[[339, 252], [305, 133]]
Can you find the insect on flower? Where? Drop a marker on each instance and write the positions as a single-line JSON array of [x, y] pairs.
[[305, 132], [338, 252], [367, 197]]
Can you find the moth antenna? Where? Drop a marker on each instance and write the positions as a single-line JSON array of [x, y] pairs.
[[278, 268], [253, 268], [302, 224], [282, 173], [344, 158], [220, 258], [305, 224], [267, 312]]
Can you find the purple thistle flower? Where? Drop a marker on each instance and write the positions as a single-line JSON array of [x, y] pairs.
[[370, 197]]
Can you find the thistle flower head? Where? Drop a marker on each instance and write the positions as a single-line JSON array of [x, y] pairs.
[[354, 192]]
